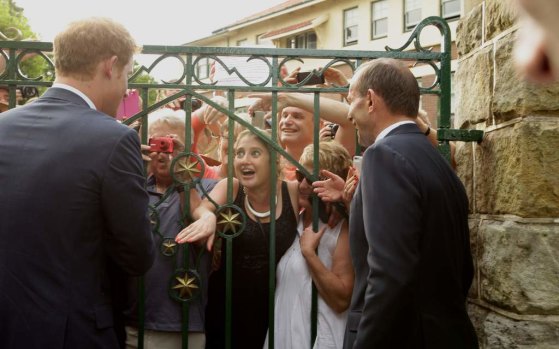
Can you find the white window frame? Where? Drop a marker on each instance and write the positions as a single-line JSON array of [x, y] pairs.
[[412, 14], [379, 12], [203, 68], [292, 40], [353, 25]]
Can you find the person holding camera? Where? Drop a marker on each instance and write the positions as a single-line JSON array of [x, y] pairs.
[[163, 316], [73, 205], [296, 122]]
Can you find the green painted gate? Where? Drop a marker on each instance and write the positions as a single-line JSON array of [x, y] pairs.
[[183, 286]]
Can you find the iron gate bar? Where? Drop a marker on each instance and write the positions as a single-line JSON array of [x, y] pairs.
[[188, 57]]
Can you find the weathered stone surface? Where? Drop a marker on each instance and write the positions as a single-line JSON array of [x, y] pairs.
[[514, 96], [495, 331], [473, 87], [519, 266], [517, 170], [474, 245], [469, 31], [477, 316], [500, 15], [463, 156]]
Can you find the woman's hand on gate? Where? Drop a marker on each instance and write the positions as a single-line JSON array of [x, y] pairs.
[[309, 241], [202, 229]]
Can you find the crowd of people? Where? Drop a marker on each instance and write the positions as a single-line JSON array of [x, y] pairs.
[[82, 266]]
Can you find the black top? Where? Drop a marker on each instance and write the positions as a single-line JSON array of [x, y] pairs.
[[250, 279]]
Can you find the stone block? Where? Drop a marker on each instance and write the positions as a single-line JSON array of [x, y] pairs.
[[519, 266], [496, 331], [513, 96], [474, 245], [517, 170], [473, 88], [500, 15], [469, 31], [463, 156]]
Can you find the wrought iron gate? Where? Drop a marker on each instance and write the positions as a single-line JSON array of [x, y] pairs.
[[184, 284]]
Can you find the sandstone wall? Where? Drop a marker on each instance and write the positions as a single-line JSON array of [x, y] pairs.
[[512, 179]]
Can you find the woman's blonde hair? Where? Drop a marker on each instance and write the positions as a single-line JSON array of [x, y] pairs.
[[332, 156], [83, 44]]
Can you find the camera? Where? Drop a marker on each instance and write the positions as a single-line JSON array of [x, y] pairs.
[[313, 80], [333, 129], [357, 160], [196, 104], [161, 144], [28, 91], [258, 119]]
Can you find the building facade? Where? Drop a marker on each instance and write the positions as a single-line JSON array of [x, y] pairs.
[[342, 25]]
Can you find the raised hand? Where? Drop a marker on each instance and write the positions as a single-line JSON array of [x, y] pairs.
[[331, 189]]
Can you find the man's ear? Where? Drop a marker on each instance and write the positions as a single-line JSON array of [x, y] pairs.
[[109, 66], [371, 99]]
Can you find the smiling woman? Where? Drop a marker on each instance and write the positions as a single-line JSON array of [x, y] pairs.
[[251, 258]]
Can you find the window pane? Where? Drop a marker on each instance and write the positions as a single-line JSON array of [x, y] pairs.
[[202, 68], [300, 41], [380, 9], [451, 8], [351, 17], [412, 18], [350, 25], [380, 27], [351, 34], [311, 40], [412, 4]]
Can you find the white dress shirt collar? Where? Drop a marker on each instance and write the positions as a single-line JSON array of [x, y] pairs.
[[76, 91], [387, 130]]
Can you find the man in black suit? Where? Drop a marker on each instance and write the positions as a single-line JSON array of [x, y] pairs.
[[409, 233], [73, 197]]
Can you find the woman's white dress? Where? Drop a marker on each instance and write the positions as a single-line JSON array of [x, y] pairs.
[[293, 299]]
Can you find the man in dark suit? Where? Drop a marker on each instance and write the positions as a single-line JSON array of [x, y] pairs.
[[73, 197], [409, 233]]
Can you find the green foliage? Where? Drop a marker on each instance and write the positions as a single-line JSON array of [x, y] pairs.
[[14, 26], [145, 78], [11, 16]]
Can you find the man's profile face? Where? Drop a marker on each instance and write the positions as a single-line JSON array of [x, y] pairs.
[[359, 116], [118, 87]]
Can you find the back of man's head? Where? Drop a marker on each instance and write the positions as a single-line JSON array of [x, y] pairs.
[[391, 80], [83, 44]]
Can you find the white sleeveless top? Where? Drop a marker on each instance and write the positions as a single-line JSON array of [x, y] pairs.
[[293, 299]]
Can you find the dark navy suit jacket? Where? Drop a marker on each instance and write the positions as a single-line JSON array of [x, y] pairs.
[[410, 248], [72, 201]]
